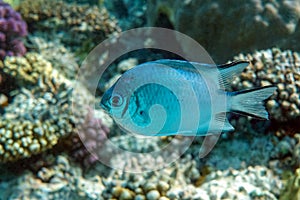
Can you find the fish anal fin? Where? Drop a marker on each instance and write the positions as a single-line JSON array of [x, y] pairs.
[[221, 123]]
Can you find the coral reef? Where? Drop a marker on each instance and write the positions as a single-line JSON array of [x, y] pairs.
[[114, 72], [240, 152], [173, 182], [13, 3], [130, 14], [251, 183], [12, 28], [27, 69], [61, 58], [225, 30], [49, 120], [286, 154], [139, 145], [40, 113], [34, 122], [21, 139], [61, 180], [92, 134], [292, 187], [274, 67], [88, 24], [65, 180]]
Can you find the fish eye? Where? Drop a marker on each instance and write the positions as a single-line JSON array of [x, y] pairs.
[[116, 100]]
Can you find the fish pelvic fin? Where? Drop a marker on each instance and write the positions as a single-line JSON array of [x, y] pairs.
[[251, 102]]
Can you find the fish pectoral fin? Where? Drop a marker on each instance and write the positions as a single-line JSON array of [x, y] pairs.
[[221, 123]]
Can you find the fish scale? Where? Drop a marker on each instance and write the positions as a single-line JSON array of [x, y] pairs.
[[154, 94]]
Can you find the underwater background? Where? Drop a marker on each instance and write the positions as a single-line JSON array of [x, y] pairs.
[[44, 141]]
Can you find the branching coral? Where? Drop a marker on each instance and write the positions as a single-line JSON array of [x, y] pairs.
[[55, 52], [27, 69], [12, 28]]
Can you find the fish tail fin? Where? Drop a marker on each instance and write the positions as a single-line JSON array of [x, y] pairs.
[[251, 102]]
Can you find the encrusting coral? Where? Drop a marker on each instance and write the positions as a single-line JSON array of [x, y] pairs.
[[12, 28]]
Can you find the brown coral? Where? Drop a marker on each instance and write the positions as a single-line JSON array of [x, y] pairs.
[[27, 69]]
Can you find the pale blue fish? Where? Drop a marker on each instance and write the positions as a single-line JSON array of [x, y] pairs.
[[185, 91]]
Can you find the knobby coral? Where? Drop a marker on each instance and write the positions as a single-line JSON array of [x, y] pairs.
[[92, 134], [41, 111], [279, 68], [27, 69], [12, 28]]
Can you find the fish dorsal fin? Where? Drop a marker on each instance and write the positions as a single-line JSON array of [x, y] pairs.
[[183, 65], [209, 71], [229, 71], [226, 72]]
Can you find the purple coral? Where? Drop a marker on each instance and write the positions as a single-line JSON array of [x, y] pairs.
[[12, 28], [93, 133]]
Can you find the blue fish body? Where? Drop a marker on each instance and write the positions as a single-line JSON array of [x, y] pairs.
[[169, 97]]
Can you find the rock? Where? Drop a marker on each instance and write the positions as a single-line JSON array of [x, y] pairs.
[[217, 25]]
